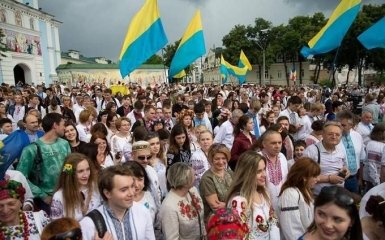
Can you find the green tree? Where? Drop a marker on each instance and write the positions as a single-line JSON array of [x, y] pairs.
[[169, 51], [154, 59]]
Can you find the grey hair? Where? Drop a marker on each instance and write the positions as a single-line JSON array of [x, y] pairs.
[[180, 175], [332, 123]]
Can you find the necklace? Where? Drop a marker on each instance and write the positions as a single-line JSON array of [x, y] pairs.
[[21, 229]]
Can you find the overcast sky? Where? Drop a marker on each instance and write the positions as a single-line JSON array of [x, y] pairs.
[[97, 27]]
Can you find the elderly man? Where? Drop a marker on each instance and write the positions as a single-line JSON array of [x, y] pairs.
[[353, 145], [365, 126], [331, 158], [276, 164], [225, 133]]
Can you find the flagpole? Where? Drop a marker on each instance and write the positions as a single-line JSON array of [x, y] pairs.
[[333, 68], [164, 68]]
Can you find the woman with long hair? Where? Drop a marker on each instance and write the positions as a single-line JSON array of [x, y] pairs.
[[243, 138], [335, 216], [67, 110], [72, 136], [249, 197], [104, 157], [199, 159], [111, 127], [179, 148], [186, 117], [157, 160], [77, 192], [267, 121], [295, 203]]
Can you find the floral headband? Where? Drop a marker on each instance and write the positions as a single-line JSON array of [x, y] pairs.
[[11, 189]]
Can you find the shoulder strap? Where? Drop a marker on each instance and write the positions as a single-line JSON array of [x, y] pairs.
[[36, 178], [319, 154], [100, 223]]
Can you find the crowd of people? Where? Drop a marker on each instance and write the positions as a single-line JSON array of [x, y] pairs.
[[192, 162]]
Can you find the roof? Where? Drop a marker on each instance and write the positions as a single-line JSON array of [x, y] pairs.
[[106, 66], [81, 58]]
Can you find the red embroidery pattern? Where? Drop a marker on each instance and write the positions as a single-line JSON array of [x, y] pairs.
[[190, 210], [275, 172]]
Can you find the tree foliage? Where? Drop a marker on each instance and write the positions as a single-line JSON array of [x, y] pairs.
[[286, 41], [154, 59]]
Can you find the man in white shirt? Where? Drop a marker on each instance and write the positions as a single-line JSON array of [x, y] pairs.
[[353, 145], [331, 158], [291, 111], [225, 133], [365, 126], [123, 218]]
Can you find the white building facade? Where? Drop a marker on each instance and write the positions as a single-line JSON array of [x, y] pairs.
[[32, 39]]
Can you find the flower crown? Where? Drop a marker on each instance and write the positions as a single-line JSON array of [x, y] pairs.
[[68, 168], [11, 189]]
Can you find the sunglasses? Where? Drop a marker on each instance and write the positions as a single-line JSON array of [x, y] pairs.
[[74, 234], [341, 196], [142, 158]]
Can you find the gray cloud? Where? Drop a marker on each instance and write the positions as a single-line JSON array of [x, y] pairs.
[[97, 27]]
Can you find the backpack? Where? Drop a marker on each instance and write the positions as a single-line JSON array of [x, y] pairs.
[[100, 223], [35, 175]]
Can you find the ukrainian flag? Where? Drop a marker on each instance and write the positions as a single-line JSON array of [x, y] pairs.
[[243, 62], [191, 47], [224, 73], [374, 37], [331, 35], [145, 36], [233, 70]]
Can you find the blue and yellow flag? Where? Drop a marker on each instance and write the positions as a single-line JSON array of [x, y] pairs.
[[191, 47], [224, 73], [232, 70], [145, 36], [243, 62], [332, 34], [374, 37]]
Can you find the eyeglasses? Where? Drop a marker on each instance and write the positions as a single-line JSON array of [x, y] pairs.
[[339, 194], [74, 234], [142, 158]]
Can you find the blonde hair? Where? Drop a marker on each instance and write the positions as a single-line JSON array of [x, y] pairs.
[[244, 183]]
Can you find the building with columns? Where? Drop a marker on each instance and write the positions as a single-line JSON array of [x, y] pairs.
[[31, 37]]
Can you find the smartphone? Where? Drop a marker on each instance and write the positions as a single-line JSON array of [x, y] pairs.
[[341, 174]]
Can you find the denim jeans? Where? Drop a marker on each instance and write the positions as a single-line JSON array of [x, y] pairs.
[[351, 184]]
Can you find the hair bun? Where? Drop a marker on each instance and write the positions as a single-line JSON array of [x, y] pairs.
[[372, 204]]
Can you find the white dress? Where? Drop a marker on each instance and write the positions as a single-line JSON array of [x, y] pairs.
[[57, 205], [261, 221]]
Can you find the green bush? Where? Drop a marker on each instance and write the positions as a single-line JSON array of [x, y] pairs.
[[326, 83]]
